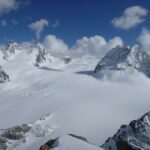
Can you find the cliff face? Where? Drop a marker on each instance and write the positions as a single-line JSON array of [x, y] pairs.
[[123, 58], [135, 136]]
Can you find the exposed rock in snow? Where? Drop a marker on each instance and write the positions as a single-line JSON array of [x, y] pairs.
[[42, 56], [79, 137], [123, 58], [50, 144], [12, 138], [67, 59], [10, 49], [3, 76], [135, 136]]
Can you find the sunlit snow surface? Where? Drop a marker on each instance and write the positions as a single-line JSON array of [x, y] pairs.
[[79, 103]]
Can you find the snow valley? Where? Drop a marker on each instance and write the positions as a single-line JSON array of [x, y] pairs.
[[44, 96]]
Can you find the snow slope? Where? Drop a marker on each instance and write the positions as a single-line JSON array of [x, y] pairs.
[[69, 143], [78, 102]]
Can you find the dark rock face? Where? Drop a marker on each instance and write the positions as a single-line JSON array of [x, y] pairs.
[[67, 59], [43, 55], [50, 144], [44, 147], [79, 137], [135, 136], [123, 58], [13, 134], [3, 145], [123, 145], [16, 133], [3, 76]]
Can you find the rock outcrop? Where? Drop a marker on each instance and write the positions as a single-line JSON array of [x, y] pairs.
[[135, 136], [4, 77], [43, 55]]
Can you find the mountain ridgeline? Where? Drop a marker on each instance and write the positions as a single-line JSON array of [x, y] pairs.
[[124, 58]]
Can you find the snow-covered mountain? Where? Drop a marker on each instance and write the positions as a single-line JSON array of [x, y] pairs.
[[66, 89], [9, 50], [37, 50], [135, 136], [125, 58]]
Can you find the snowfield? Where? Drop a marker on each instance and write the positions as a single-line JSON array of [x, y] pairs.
[[78, 102], [70, 143]]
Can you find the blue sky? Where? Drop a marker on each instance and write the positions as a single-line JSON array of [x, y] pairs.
[[74, 19]]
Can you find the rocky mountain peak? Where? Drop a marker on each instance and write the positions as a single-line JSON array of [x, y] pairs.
[[43, 55], [10, 49], [135, 136], [122, 58]]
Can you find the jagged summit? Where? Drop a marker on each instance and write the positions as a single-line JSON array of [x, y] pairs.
[[10, 49], [43, 55], [35, 53], [135, 136], [122, 58]]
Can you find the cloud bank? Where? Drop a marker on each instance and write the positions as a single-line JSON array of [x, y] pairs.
[[131, 17], [95, 46], [144, 39], [39, 26], [55, 45]]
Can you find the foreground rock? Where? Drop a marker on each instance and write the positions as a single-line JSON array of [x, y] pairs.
[[15, 138], [12, 134], [50, 144], [135, 136]]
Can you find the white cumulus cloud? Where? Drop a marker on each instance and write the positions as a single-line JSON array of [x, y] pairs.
[[39, 26], [144, 39], [95, 46], [8, 5], [131, 17], [56, 46]]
